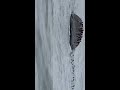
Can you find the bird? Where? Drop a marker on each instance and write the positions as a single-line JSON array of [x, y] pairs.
[[76, 30]]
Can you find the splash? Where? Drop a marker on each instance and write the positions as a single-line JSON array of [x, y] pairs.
[[76, 31]]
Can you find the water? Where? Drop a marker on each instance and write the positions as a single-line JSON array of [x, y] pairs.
[[53, 70]]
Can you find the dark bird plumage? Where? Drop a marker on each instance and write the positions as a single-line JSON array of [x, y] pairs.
[[76, 30]]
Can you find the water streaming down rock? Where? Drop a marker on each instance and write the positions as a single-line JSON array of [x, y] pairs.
[[52, 47], [76, 30]]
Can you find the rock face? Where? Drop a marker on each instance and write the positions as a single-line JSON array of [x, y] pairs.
[[76, 30]]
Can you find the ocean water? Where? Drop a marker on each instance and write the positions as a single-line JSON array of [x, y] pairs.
[[53, 69]]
